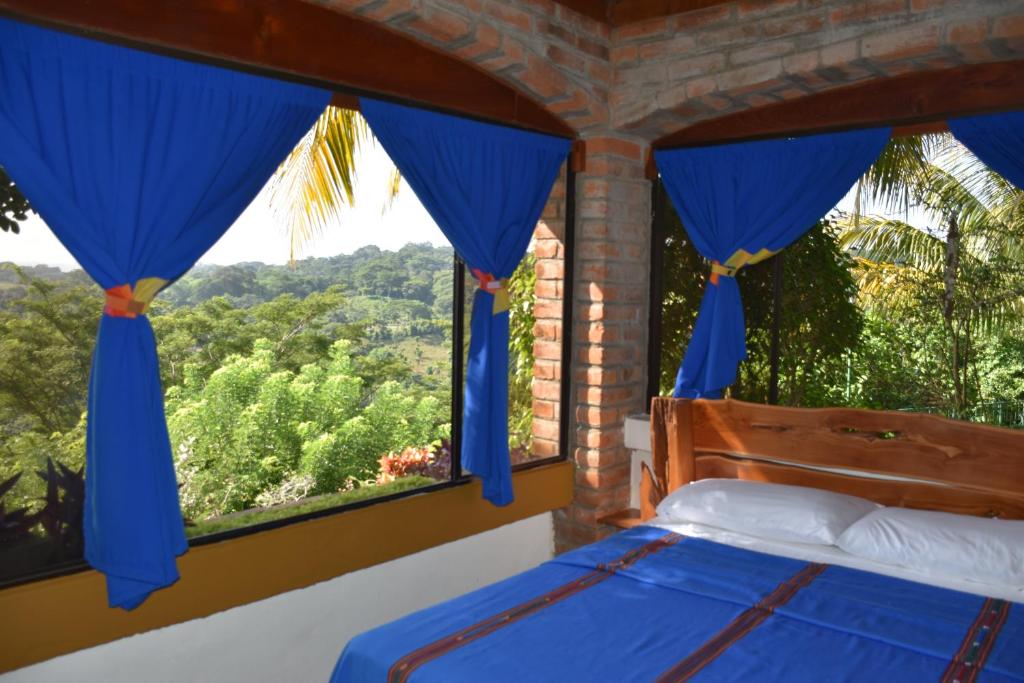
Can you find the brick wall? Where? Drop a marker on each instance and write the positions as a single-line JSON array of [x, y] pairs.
[[621, 89], [673, 71], [549, 250]]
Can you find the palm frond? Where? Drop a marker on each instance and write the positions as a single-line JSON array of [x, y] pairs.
[[317, 179], [394, 187], [891, 242]]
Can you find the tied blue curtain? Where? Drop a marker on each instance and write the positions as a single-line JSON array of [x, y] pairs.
[[138, 163], [740, 203], [485, 186], [996, 139]]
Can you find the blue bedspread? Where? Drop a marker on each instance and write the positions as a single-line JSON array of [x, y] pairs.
[[646, 605]]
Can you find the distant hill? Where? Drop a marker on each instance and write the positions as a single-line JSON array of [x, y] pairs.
[[418, 273]]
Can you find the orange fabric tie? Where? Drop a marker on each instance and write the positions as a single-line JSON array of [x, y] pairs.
[[717, 269], [494, 286], [125, 302]]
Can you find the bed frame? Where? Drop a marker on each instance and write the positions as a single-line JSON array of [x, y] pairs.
[[894, 458]]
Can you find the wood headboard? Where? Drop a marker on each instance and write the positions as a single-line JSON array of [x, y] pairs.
[[937, 463]]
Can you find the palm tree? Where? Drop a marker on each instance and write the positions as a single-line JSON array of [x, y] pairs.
[[965, 261], [317, 180]]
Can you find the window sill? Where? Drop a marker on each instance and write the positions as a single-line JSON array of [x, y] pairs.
[[47, 618]]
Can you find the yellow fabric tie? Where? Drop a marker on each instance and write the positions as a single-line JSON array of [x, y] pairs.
[[124, 301], [498, 288], [738, 260]]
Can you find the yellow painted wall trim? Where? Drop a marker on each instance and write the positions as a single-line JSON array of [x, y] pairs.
[[48, 618]]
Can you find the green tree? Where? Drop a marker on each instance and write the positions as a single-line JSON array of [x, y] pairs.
[[820, 322], [14, 208], [962, 266]]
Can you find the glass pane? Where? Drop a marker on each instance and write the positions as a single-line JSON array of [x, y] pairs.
[[306, 364]]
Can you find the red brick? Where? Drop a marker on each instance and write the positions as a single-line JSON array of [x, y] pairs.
[[543, 448], [546, 249], [750, 9], [1008, 27], [598, 333], [601, 457], [967, 32], [791, 26], [600, 438], [641, 29], [599, 416], [567, 59], [440, 25], [510, 16], [549, 370], [603, 478], [548, 289], [911, 42], [547, 330], [840, 53], [547, 350], [545, 409], [549, 269], [701, 18], [486, 41], [762, 52], [867, 10]]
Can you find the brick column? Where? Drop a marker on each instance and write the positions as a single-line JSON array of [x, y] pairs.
[[549, 250], [613, 226]]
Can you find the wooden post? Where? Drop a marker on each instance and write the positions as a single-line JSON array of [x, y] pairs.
[[679, 431]]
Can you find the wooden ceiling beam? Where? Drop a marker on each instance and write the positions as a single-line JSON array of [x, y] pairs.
[[621, 12], [907, 100], [299, 40]]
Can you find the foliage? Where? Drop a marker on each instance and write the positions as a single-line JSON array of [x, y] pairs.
[[958, 273], [14, 208], [317, 178], [214, 525], [14, 524], [522, 297], [819, 324], [433, 461]]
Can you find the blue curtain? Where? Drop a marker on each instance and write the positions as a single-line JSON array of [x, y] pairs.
[[741, 203], [138, 163], [996, 139], [485, 186]]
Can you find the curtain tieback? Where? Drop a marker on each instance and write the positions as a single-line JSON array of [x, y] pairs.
[[497, 287], [717, 270], [125, 302], [741, 258]]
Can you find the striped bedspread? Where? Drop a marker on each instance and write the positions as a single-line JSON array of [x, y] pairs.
[[646, 605]]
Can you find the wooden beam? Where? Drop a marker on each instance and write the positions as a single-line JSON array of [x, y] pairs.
[[300, 40], [595, 9], [909, 99], [622, 12], [578, 158]]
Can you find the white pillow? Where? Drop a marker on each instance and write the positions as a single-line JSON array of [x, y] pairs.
[[773, 511], [941, 544]]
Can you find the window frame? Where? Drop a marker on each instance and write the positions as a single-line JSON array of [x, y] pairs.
[[457, 476]]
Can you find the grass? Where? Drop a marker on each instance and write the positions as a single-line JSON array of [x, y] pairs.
[[213, 525]]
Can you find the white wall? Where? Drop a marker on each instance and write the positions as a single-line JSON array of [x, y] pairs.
[[638, 440], [297, 636]]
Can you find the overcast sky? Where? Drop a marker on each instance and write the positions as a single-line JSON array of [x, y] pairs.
[[256, 237]]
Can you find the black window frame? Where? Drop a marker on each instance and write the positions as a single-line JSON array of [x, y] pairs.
[[457, 476]]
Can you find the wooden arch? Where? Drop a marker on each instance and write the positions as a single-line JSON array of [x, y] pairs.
[[302, 41], [912, 103]]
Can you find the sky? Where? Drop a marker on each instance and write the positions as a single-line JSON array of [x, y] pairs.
[[256, 236]]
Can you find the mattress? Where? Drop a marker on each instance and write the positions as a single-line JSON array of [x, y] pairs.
[[652, 604]]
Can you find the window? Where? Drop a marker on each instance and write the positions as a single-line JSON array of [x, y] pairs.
[[304, 371], [914, 304]]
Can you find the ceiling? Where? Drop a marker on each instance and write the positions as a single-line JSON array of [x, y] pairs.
[[619, 12]]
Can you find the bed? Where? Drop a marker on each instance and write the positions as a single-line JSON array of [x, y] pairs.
[[676, 601]]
